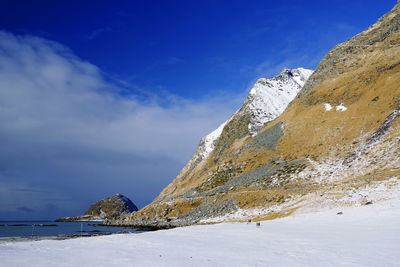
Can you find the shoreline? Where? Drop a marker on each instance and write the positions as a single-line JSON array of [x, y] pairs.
[[60, 237], [363, 236]]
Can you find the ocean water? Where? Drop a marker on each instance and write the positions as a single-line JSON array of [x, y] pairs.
[[51, 228]]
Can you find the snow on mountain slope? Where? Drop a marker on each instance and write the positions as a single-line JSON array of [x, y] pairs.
[[270, 96], [206, 146], [267, 99]]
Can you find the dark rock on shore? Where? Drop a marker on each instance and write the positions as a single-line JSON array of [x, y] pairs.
[[109, 208], [79, 218]]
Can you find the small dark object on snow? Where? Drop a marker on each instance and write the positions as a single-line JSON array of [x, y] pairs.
[[368, 203], [249, 220], [258, 224], [339, 213]]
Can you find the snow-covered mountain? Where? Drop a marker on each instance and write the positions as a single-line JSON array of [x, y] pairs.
[[336, 144], [267, 99]]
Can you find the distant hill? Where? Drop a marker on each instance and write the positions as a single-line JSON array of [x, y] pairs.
[[109, 208]]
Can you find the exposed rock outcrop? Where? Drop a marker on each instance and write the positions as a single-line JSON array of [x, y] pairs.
[[109, 208]]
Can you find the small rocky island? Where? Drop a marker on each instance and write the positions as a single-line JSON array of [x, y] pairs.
[[109, 208]]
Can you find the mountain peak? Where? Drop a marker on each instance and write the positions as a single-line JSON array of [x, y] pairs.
[[269, 97]]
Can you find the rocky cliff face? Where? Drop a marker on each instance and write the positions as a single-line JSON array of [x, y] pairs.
[[109, 208], [267, 99], [337, 143]]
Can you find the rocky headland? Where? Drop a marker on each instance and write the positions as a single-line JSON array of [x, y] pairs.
[[109, 208]]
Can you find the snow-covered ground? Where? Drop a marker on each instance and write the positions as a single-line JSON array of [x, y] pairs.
[[361, 236]]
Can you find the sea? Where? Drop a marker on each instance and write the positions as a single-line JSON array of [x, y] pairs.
[[10, 229]]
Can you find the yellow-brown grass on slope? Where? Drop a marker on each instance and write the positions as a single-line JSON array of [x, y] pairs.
[[310, 131], [360, 80]]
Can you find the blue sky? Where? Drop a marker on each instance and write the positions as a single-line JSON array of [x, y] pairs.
[[99, 98]]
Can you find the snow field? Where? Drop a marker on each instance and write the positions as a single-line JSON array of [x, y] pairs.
[[361, 236]]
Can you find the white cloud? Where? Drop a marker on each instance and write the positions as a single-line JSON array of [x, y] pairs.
[[52, 103], [48, 92]]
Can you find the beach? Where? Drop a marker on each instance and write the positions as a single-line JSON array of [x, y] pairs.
[[343, 236]]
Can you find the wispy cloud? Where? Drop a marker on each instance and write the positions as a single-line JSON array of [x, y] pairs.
[[66, 127], [98, 32]]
